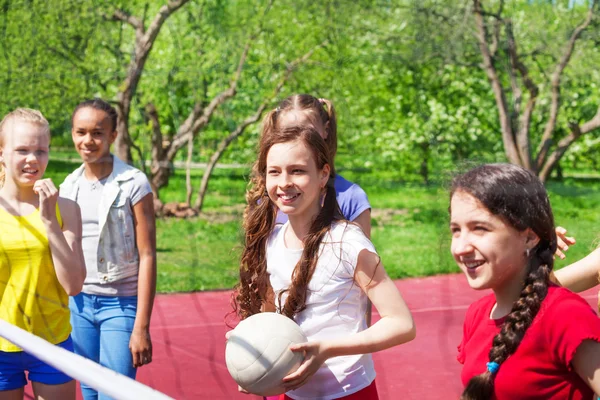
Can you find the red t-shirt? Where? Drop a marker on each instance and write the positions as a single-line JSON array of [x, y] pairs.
[[541, 367]]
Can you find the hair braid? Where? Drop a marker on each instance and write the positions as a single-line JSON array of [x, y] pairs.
[[505, 343]]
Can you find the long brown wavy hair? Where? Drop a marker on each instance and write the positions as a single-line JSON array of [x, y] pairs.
[[516, 195], [259, 220]]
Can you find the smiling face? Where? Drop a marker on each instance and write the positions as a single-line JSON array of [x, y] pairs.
[[294, 182], [93, 134], [487, 249], [24, 152]]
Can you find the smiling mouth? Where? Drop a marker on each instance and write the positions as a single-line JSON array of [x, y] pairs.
[[30, 171], [473, 264], [288, 197]]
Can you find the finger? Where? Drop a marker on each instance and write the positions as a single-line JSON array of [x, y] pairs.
[[297, 373], [560, 254], [299, 347], [136, 358], [560, 230]]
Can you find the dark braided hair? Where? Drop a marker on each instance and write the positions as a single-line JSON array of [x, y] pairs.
[[98, 104], [518, 196]]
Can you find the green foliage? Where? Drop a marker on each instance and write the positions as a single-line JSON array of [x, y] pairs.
[[404, 74]]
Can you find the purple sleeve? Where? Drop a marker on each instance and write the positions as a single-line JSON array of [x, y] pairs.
[[352, 198]]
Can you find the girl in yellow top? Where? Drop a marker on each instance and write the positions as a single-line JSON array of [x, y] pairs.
[[41, 261]]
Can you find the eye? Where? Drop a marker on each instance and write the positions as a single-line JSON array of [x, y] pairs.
[[40, 152], [21, 151], [272, 172], [297, 171], [454, 230], [481, 228]]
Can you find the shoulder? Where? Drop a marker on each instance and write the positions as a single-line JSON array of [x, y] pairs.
[[70, 212], [346, 188], [72, 177], [345, 231], [352, 199], [561, 302]]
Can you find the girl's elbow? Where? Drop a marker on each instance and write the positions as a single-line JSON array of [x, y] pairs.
[[408, 331]]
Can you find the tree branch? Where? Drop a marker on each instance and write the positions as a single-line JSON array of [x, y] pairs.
[[563, 145], [291, 67], [490, 69], [123, 16], [546, 141], [200, 116], [522, 135]]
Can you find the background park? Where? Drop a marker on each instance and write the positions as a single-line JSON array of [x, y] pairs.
[[423, 89]]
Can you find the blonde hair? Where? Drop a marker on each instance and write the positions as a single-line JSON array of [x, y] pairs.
[[21, 115]]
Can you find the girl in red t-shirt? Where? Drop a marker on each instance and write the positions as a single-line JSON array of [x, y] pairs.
[[529, 339]]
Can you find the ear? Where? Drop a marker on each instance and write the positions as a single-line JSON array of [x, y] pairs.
[[531, 238], [325, 172], [113, 136]]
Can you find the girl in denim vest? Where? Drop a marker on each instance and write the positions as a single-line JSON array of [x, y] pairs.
[[111, 317]]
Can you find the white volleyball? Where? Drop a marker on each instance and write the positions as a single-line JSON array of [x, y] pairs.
[[258, 355]]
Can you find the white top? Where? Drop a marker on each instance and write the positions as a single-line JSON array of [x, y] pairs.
[[335, 306]]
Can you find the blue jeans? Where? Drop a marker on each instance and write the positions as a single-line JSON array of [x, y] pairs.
[[102, 327]]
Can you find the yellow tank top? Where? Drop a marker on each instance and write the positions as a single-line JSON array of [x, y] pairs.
[[30, 295]]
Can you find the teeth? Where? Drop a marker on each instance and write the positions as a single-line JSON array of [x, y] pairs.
[[30, 171], [473, 264], [288, 196]]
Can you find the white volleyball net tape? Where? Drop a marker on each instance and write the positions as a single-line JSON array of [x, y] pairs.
[[79, 368]]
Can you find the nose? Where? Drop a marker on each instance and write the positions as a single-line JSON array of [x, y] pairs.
[[462, 245], [285, 180], [31, 157], [88, 138]]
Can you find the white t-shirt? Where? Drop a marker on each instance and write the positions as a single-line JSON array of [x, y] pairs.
[[335, 306]]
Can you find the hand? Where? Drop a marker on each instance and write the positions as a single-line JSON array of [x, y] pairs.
[[140, 345], [48, 196], [314, 357], [242, 390], [563, 242]]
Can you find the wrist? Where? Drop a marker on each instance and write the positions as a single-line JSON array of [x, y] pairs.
[[328, 349]]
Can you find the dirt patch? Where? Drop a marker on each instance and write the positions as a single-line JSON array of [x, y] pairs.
[[385, 216]]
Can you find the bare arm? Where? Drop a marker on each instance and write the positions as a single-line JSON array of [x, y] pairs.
[[586, 363], [145, 233], [65, 241], [395, 327], [364, 221], [581, 275]]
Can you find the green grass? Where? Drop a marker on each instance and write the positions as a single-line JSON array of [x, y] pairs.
[[410, 227]]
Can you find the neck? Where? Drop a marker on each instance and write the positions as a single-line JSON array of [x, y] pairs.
[[11, 191], [299, 227], [99, 170], [507, 294]]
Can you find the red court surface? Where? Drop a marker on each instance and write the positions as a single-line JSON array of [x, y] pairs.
[[188, 333]]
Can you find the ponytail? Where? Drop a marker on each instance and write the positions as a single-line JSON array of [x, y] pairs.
[[331, 127]]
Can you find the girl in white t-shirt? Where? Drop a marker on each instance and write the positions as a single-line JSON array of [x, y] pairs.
[[317, 269]]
